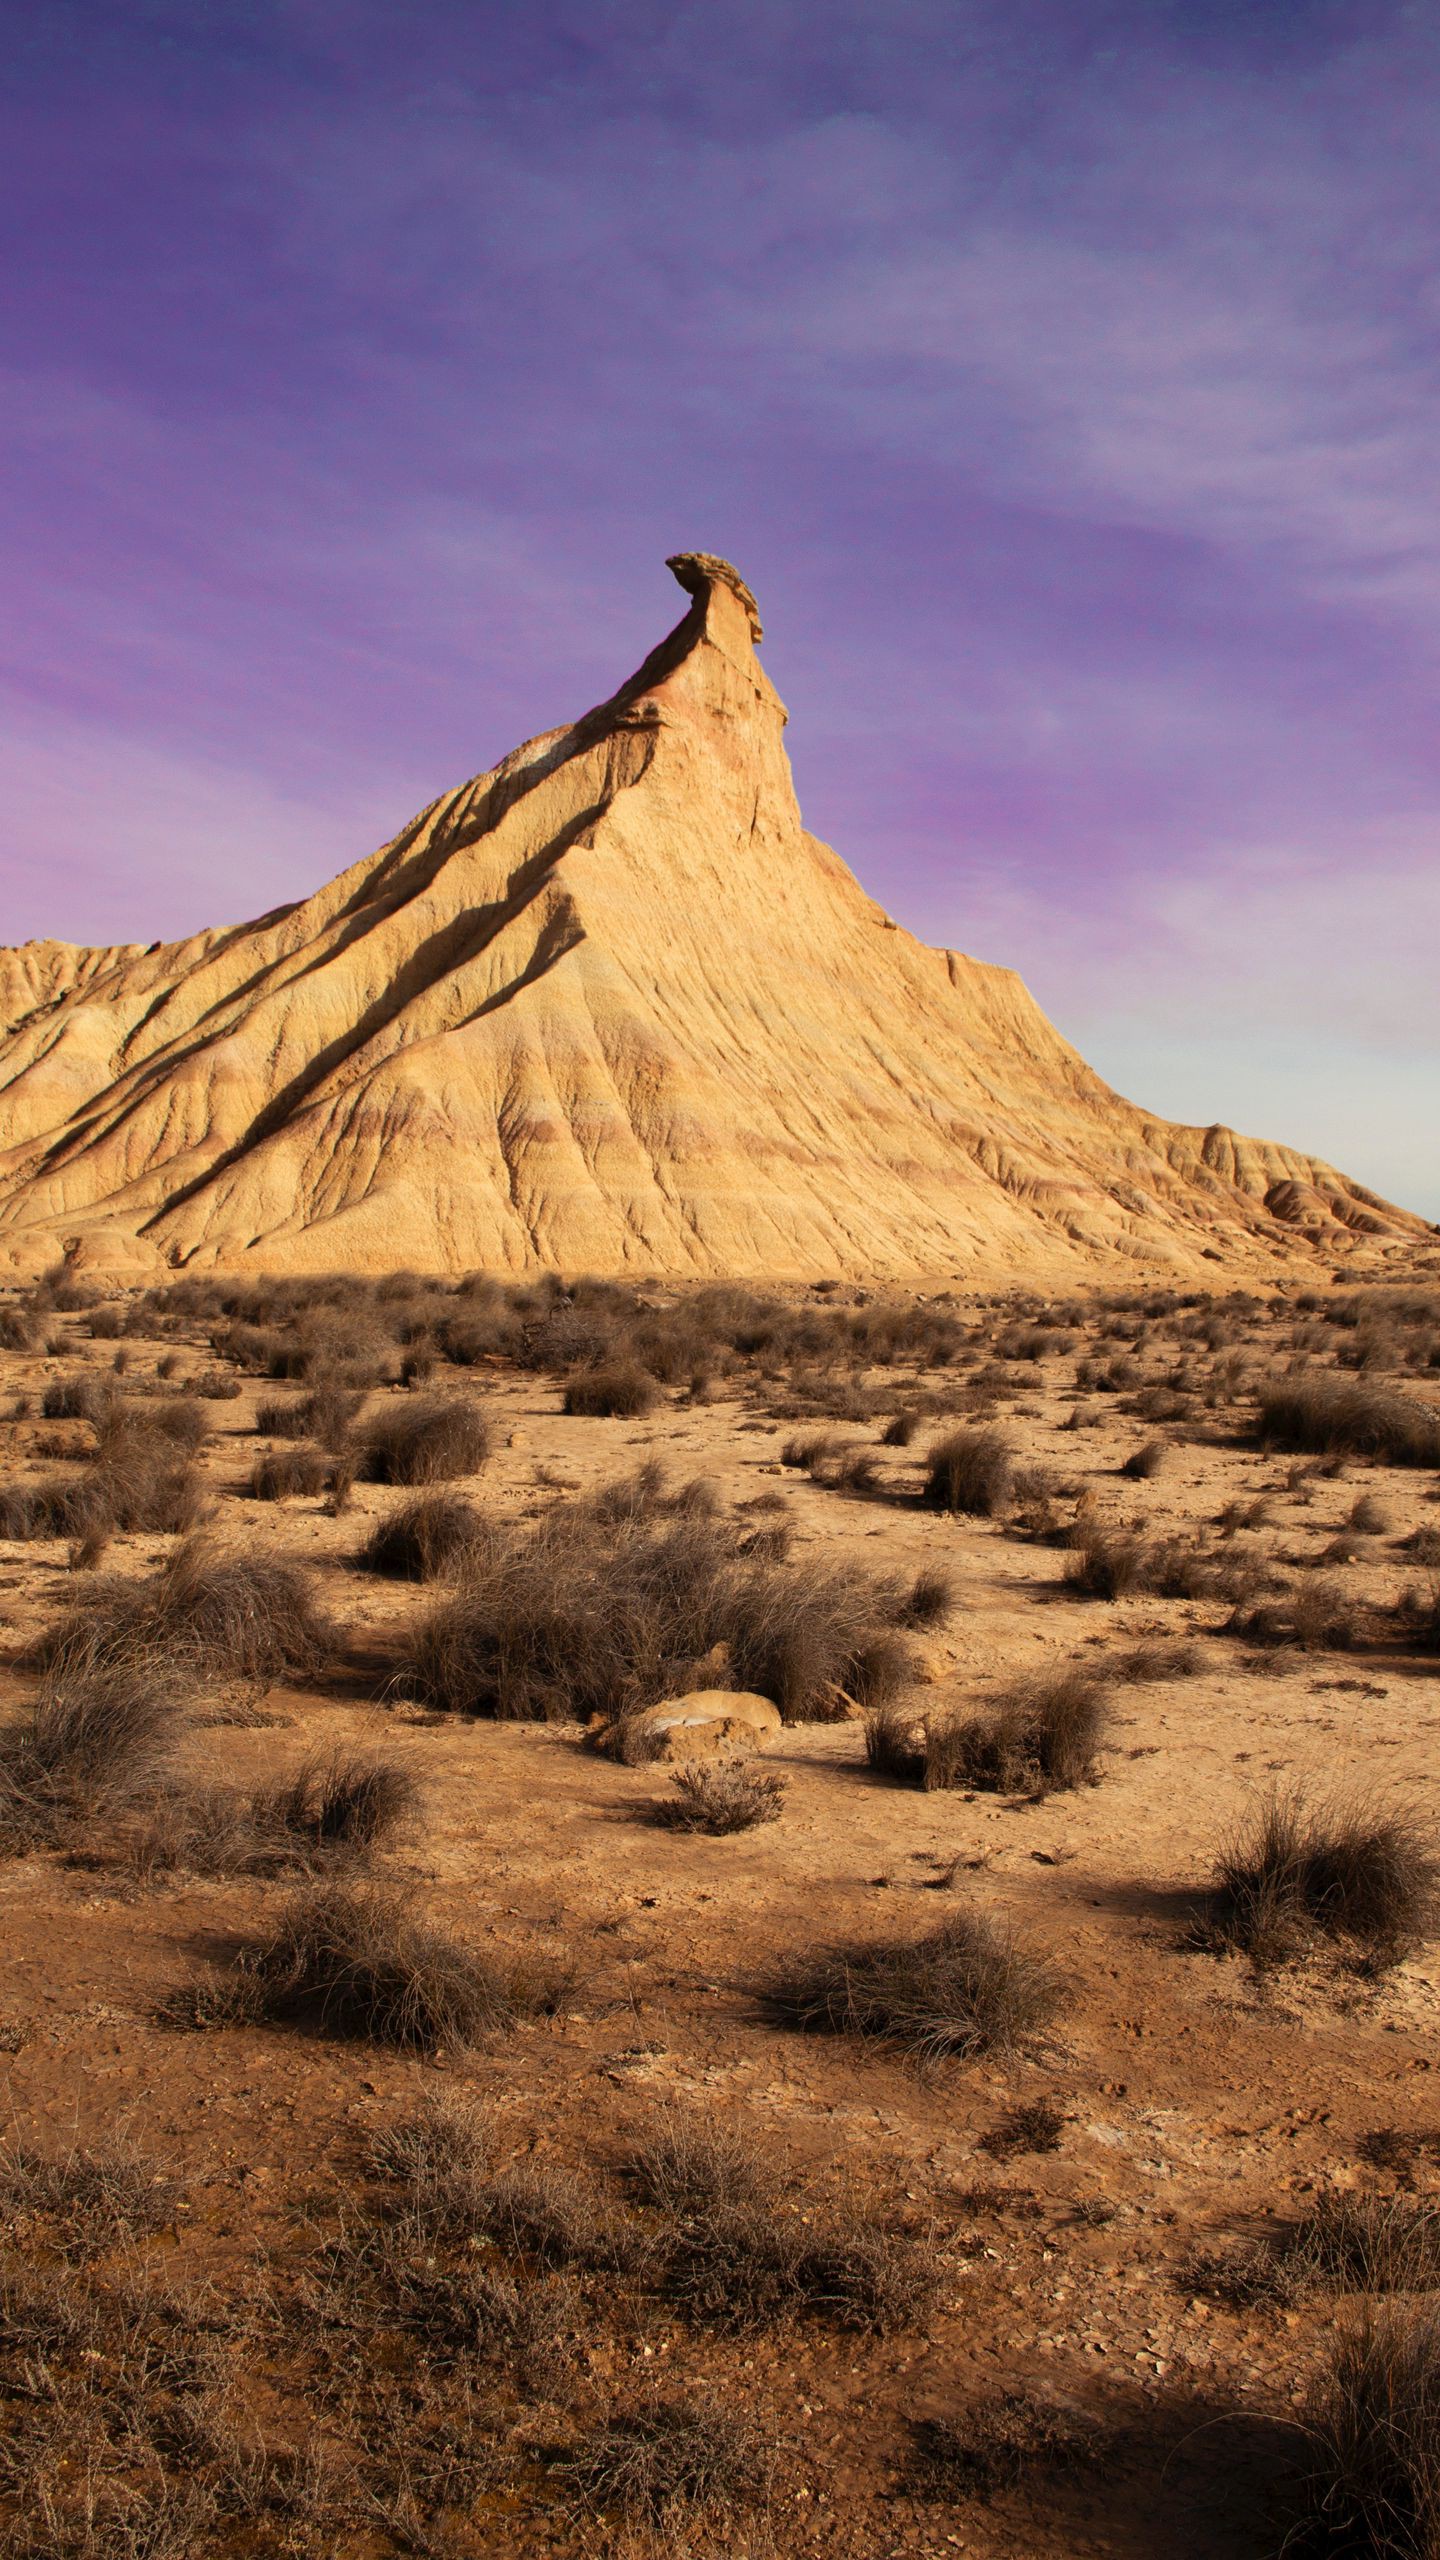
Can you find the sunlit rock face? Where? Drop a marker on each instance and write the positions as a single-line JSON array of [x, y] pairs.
[[605, 1008]]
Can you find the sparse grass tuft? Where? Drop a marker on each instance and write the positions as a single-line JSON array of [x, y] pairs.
[[617, 1389], [90, 2198], [354, 1960], [423, 1540], [971, 1470], [1370, 2488], [1035, 2125], [964, 1988], [895, 1744], [326, 1812], [929, 1602], [720, 1796], [1314, 1411], [1360, 1871], [741, 2250], [1154, 1658], [287, 1472], [1041, 1739], [1316, 1616], [96, 1740], [211, 1612], [425, 1441], [1110, 1560], [664, 2463]]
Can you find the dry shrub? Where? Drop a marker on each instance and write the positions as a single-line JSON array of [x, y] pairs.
[[426, 1442], [720, 1797], [455, 2195], [287, 1472], [19, 1330], [326, 1415], [895, 1744], [812, 1449], [929, 1602], [139, 1477], [855, 1470], [423, 1540], [964, 1988], [665, 2463], [1108, 1561], [971, 1470], [1339, 1417], [1040, 1739], [210, 1612], [555, 2219], [96, 1740], [1420, 1616], [1357, 1870], [814, 1640], [742, 2250], [1317, 1615], [996, 2442], [326, 1812], [1035, 2125], [354, 1960], [1115, 1560], [81, 1398], [86, 2199], [603, 1608], [1370, 2488], [217, 1386], [1155, 1658], [1359, 2243], [1146, 1462], [618, 1388]]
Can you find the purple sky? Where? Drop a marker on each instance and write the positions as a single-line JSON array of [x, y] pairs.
[[1062, 375]]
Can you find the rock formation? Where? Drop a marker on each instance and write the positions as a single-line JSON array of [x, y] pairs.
[[605, 1008]]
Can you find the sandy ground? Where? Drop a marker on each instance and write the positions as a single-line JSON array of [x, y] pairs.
[[1199, 2102]]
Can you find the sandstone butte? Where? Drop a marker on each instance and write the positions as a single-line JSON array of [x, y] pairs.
[[610, 1008]]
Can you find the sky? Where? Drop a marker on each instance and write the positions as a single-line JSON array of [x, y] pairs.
[[1061, 374]]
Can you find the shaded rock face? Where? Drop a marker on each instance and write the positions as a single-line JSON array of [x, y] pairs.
[[608, 1008]]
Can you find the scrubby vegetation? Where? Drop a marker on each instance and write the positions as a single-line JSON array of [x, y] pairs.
[[424, 1540], [963, 1988], [95, 1743], [970, 1470], [426, 1441], [610, 1604], [1336, 1417], [1361, 1871], [614, 1387], [1370, 2473], [356, 2327], [211, 1612], [324, 1813], [720, 1796], [1042, 1737], [358, 1960]]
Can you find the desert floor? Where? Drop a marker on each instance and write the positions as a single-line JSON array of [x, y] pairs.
[[202, 2368]]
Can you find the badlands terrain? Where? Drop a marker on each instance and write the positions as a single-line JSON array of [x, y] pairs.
[[419, 2141], [610, 1008]]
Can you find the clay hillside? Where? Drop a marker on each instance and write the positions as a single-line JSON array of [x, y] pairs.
[[609, 1007]]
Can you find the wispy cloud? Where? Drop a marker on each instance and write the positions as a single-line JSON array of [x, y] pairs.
[[1065, 389]]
